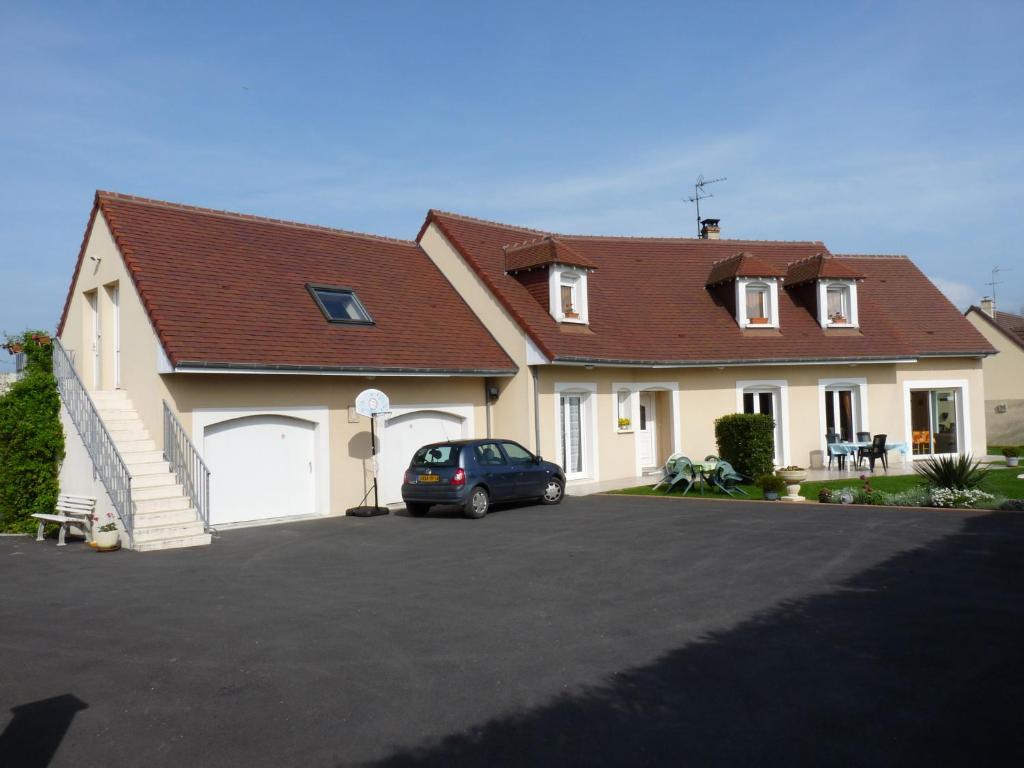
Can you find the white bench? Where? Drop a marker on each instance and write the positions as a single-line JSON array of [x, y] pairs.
[[71, 510]]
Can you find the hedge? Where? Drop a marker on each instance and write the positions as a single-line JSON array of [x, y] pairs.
[[747, 441], [31, 439]]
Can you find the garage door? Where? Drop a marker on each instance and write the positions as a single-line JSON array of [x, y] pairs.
[[260, 467], [401, 436]]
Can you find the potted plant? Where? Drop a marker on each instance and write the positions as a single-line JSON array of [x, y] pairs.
[[105, 538], [624, 424], [771, 485], [838, 318], [14, 347], [792, 476], [759, 321], [1012, 456]]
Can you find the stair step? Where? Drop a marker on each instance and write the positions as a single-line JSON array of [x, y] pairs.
[[138, 458], [156, 519], [147, 493], [115, 406], [160, 477], [134, 446], [108, 395], [124, 435], [162, 505], [124, 420], [172, 531], [180, 543]]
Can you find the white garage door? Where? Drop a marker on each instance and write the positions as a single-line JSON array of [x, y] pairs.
[[260, 467], [399, 439]]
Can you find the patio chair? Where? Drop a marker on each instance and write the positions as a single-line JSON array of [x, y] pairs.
[[863, 437], [875, 451], [684, 473], [727, 478], [830, 439], [668, 470]]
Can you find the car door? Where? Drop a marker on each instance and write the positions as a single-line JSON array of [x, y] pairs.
[[530, 476], [494, 471]]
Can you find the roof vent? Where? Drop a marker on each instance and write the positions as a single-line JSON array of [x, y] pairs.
[[709, 229]]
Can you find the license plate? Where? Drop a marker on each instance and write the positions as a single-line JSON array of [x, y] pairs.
[[430, 478]]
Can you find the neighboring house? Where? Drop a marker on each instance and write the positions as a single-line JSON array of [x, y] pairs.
[[604, 354], [671, 333], [1004, 373], [259, 334]]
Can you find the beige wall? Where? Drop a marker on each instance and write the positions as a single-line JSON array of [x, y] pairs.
[[1004, 386], [705, 394], [514, 416]]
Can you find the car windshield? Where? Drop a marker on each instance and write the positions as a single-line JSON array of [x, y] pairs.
[[436, 456]]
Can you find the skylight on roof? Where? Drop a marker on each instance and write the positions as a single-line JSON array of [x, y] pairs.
[[340, 305]]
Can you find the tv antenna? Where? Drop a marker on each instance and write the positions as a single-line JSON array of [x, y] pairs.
[[699, 193], [995, 280]]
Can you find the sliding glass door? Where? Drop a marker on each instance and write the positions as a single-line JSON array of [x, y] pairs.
[[934, 423], [840, 413]]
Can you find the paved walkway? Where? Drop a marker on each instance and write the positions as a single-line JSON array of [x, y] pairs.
[[605, 631]]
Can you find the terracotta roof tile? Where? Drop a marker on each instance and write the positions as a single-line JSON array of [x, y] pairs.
[[546, 250], [226, 289], [648, 302], [743, 264], [818, 266]]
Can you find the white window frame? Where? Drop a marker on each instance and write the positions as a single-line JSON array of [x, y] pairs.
[[781, 388], [741, 301], [860, 405], [963, 414], [635, 388], [623, 407], [561, 274], [853, 321], [588, 427]]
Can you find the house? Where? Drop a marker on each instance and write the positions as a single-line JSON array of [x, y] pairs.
[[1004, 373], [257, 335], [237, 344], [628, 349]]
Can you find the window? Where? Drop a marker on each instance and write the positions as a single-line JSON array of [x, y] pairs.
[[624, 409], [771, 399], [517, 454], [933, 421], [757, 304], [340, 305], [839, 413], [568, 294], [838, 303], [436, 456], [488, 454]]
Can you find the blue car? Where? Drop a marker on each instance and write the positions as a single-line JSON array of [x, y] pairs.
[[475, 473]]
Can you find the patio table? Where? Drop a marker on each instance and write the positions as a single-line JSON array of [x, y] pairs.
[[704, 470], [850, 448]]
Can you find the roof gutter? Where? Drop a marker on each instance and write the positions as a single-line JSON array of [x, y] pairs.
[[767, 361], [191, 366]]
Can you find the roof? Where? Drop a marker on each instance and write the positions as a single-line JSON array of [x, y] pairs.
[[546, 250], [820, 266], [648, 304], [228, 290], [1009, 324], [743, 264]]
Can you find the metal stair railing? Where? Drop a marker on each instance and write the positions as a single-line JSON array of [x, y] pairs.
[[106, 459], [187, 465]]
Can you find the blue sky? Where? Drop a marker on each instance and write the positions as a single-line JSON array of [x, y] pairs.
[[876, 127]]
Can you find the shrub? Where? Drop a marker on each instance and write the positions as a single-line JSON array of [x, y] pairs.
[[825, 495], [747, 441], [912, 497], [769, 482], [952, 472], [1013, 505], [31, 439], [1009, 452]]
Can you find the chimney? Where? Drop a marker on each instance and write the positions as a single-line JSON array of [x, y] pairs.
[[709, 229], [988, 306]]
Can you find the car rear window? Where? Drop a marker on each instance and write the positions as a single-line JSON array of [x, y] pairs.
[[436, 456]]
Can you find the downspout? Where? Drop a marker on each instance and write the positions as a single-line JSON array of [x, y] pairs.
[[536, 410], [487, 403]]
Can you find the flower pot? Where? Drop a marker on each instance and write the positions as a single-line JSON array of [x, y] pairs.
[[771, 495], [793, 478], [106, 541], [1012, 461], [758, 320]]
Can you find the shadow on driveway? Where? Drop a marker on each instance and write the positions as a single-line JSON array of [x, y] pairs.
[[33, 735], [900, 665]]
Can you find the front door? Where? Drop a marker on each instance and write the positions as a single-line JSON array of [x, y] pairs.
[[646, 432]]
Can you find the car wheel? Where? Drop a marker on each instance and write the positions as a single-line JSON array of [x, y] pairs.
[[417, 510], [553, 492], [477, 503]]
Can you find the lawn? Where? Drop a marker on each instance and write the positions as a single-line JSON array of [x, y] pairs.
[[1000, 482]]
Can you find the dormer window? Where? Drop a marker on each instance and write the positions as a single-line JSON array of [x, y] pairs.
[[568, 290], [837, 303], [758, 304], [749, 285]]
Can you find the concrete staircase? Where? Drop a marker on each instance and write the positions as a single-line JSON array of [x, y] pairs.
[[164, 516]]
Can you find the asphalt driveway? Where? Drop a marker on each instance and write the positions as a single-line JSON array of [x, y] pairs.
[[606, 631]]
